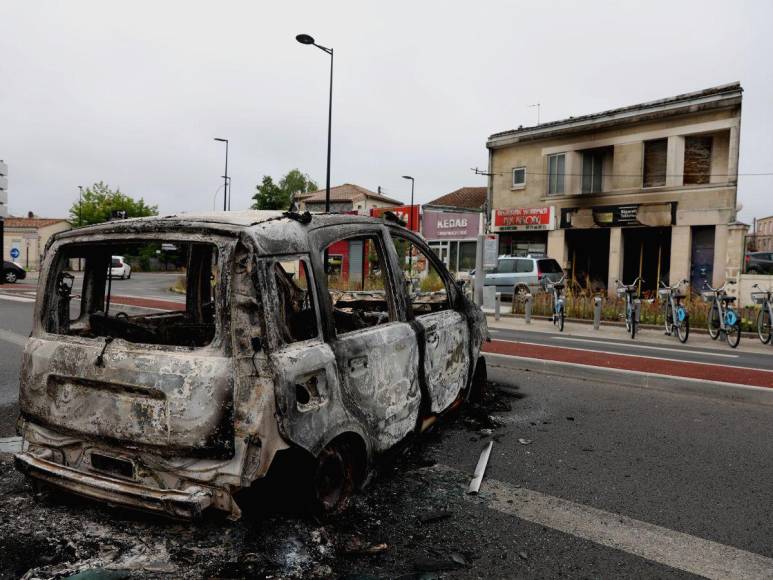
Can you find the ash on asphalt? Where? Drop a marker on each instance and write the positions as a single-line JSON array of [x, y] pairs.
[[412, 521]]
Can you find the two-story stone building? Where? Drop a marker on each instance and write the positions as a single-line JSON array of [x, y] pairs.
[[645, 190]]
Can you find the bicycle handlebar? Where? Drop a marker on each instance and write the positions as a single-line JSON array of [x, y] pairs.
[[632, 284], [721, 288]]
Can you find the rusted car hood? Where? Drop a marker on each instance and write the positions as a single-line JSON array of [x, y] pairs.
[[168, 400]]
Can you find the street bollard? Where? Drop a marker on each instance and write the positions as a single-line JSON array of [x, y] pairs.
[[527, 309], [596, 312], [497, 304]]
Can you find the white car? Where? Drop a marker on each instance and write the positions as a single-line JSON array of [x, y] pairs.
[[120, 268]]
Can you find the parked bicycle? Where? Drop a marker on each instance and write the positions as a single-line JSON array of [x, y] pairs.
[[722, 318], [632, 300], [765, 315], [675, 315], [556, 290]]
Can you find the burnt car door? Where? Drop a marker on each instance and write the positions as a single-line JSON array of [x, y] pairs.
[[307, 393], [445, 335], [375, 347]]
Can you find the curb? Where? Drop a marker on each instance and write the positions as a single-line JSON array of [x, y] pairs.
[[613, 323], [638, 379]]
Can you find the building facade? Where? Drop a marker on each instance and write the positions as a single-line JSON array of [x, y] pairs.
[[24, 239], [451, 224], [647, 190], [3, 189], [346, 198]]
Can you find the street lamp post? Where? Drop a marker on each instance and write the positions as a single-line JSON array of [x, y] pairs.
[[306, 39], [226, 204], [80, 219], [410, 227]]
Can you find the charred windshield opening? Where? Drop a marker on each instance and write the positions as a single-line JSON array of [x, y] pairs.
[[88, 294]]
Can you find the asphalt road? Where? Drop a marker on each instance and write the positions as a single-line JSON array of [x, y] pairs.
[[611, 482]]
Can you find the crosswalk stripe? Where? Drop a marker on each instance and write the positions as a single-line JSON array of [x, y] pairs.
[[658, 544]]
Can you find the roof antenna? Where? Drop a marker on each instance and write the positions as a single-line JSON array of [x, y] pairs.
[[538, 106]]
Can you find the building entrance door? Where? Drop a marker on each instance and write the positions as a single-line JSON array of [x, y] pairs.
[[702, 257], [647, 253]]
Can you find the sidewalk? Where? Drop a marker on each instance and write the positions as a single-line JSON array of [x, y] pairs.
[[699, 337]]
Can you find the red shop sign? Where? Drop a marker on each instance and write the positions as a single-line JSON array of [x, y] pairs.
[[524, 219]]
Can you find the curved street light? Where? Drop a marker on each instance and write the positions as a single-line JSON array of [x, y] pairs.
[[308, 40]]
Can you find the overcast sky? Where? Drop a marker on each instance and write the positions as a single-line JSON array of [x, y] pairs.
[[132, 93]]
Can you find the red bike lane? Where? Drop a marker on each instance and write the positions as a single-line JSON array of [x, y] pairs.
[[690, 370]]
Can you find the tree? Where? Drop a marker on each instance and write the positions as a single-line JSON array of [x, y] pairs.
[[269, 195], [296, 182], [98, 202]]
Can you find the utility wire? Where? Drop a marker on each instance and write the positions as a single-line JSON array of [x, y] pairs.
[[751, 174]]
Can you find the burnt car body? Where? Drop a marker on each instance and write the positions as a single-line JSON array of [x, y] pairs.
[[176, 412]]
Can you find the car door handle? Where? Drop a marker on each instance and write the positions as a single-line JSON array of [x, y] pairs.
[[357, 365]]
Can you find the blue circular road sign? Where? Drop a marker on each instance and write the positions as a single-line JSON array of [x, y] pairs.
[[15, 253]]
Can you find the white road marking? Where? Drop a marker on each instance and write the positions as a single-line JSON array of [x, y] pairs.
[[658, 544], [646, 347], [13, 337], [16, 298], [679, 360]]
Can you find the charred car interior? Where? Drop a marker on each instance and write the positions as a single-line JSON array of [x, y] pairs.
[[327, 338], [89, 313]]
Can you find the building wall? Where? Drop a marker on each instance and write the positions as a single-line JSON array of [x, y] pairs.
[[713, 203], [31, 243], [698, 204]]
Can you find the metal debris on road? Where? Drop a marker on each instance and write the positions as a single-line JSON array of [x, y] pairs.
[[523, 441], [10, 444], [480, 469]]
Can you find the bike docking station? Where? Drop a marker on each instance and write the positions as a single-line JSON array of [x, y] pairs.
[[597, 312], [527, 308]]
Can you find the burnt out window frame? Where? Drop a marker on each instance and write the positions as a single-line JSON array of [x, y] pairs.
[[390, 280], [452, 296], [224, 248], [271, 263]]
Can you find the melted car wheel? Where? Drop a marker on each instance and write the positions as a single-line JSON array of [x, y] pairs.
[[333, 480]]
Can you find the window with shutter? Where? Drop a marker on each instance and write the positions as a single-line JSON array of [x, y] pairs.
[[655, 153], [697, 160]]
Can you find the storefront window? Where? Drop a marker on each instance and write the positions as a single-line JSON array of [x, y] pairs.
[[466, 256]]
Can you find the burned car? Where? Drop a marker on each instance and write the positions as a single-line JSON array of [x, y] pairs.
[[328, 337]]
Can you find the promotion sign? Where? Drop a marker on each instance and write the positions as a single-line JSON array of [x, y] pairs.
[[407, 213], [446, 225], [616, 215], [524, 219]]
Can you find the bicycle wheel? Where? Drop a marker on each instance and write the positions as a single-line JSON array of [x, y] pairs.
[[733, 334], [763, 324], [713, 321], [561, 319], [668, 318], [683, 329]]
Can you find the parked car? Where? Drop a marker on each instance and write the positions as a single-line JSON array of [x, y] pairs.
[[120, 268], [271, 361], [13, 272], [524, 274], [759, 263]]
